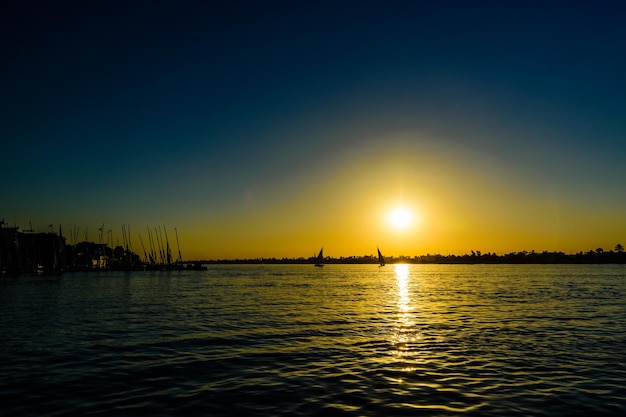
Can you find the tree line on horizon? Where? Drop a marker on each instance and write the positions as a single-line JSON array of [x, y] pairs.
[[28, 251], [599, 256]]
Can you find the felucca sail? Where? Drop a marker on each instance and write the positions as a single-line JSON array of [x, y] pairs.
[[381, 258], [319, 261]]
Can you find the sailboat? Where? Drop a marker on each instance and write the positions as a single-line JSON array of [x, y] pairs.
[[381, 258], [319, 261]]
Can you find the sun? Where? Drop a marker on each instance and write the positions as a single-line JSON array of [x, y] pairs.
[[400, 218]]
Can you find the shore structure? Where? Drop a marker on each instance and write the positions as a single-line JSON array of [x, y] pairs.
[[28, 251]]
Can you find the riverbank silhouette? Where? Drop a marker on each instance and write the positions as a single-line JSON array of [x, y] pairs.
[[48, 252], [598, 256]]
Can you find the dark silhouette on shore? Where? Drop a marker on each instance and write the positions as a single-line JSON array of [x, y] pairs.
[[48, 253], [597, 256]]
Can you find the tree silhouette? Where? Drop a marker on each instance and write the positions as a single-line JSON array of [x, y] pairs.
[[619, 248]]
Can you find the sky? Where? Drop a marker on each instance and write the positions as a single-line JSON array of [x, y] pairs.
[[275, 128]]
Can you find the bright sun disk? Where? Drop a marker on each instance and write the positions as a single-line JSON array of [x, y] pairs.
[[400, 218]]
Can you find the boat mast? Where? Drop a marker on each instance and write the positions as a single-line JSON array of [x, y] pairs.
[[130, 243], [124, 236], [159, 237], [152, 252], [168, 254], [145, 257], [180, 257]]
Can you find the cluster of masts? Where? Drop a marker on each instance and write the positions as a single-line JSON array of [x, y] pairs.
[[156, 252], [49, 252], [158, 249]]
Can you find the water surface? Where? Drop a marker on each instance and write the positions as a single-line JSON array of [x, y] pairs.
[[297, 340]]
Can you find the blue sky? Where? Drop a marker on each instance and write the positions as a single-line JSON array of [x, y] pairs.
[[240, 123]]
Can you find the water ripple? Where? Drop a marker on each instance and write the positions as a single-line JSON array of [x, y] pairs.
[[293, 340]]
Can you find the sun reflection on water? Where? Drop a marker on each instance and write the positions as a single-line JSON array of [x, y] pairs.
[[402, 277], [404, 332]]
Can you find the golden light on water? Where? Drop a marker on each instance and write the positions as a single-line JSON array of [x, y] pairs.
[[404, 334], [402, 277]]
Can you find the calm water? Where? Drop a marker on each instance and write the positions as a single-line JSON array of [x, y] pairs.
[[298, 340]]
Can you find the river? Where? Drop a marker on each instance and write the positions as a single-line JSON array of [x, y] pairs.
[[295, 340]]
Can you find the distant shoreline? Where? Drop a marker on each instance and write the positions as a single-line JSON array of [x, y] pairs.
[[591, 257], [49, 253]]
